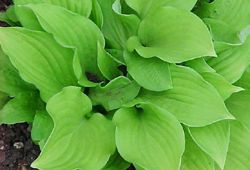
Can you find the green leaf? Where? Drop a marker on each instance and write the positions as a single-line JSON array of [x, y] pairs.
[[53, 18], [107, 64], [149, 137], [173, 40], [42, 127], [20, 109], [39, 59], [194, 158], [221, 84], [10, 81], [82, 7], [232, 60], [239, 149], [244, 80], [213, 140], [144, 9], [4, 98], [234, 12], [192, 100], [116, 162], [116, 93], [239, 105], [96, 14], [199, 65], [151, 73], [117, 28], [87, 141]]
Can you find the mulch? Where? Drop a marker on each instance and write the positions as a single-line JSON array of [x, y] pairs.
[[17, 150]]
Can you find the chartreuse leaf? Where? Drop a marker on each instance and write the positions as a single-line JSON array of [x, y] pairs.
[[245, 79], [20, 109], [70, 110], [117, 28], [234, 12], [82, 7], [173, 40], [39, 59], [116, 93], [221, 84], [192, 100], [232, 60], [199, 65], [116, 162], [4, 98], [144, 9], [107, 64], [151, 73], [53, 18], [213, 140], [239, 148], [149, 137], [10, 81], [239, 105], [96, 13], [194, 158], [42, 127]]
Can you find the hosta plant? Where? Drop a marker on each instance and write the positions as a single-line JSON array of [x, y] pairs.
[[107, 84]]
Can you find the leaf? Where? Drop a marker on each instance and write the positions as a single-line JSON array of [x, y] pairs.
[[144, 9], [151, 73], [42, 127], [78, 6], [194, 158], [228, 12], [244, 80], [96, 14], [199, 65], [116, 93], [239, 148], [4, 98], [70, 110], [213, 140], [116, 162], [192, 100], [173, 40], [239, 105], [10, 81], [149, 137], [20, 109], [107, 64], [53, 18], [39, 59], [221, 84], [117, 28], [232, 60]]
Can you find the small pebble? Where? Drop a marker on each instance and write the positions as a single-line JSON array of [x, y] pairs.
[[18, 145]]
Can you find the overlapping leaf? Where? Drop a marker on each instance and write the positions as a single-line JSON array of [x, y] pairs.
[[39, 59], [192, 100], [70, 111]]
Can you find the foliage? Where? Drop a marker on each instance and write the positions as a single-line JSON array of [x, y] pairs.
[[160, 84]]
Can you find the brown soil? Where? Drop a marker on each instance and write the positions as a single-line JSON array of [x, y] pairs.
[[17, 151]]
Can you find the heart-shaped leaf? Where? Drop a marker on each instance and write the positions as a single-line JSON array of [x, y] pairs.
[[149, 137], [173, 35], [70, 111]]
